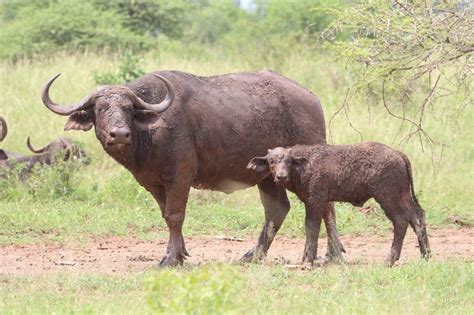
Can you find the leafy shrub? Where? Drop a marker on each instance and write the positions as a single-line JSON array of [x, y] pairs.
[[204, 290], [65, 25], [129, 70], [41, 27], [152, 17]]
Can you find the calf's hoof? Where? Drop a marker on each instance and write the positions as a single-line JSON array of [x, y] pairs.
[[426, 256], [390, 262]]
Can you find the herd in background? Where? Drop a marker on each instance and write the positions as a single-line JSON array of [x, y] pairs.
[[60, 149]]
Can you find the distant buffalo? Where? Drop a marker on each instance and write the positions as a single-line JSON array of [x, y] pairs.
[[174, 130], [60, 149], [351, 173]]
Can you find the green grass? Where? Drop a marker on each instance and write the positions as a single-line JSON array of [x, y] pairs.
[[415, 288], [103, 199]]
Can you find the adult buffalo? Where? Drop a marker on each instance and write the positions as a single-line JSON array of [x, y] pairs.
[[60, 149], [174, 130]]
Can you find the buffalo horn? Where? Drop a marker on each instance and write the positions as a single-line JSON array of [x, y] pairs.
[[160, 107], [28, 143], [3, 129], [60, 110]]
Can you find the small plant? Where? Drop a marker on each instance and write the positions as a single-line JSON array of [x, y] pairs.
[[128, 70], [204, 290]]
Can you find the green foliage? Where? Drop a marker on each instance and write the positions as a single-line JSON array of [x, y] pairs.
[[412, 58], [213, 20], [152, 17], [128, 70], [67, 25], [42, 27], [295, 18], [205, 290]]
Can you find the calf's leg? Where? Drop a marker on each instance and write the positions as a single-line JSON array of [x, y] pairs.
[[400, 219], [276, 205], [335, 248], [417, 222], [312, 227]]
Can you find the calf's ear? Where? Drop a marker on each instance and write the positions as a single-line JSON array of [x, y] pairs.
[[81, 120], [258, 164]]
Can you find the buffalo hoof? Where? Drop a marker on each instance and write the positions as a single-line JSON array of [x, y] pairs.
[[170, 261], [252, 256], [337, 259], [309, 257], [334, 254]]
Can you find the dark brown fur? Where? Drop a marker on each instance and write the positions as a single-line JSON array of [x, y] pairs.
[[349, 173], [204, 140]]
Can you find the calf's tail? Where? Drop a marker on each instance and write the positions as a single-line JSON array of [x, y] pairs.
[[410, 175]]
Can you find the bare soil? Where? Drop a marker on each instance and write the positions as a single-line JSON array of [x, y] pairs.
[[122, 255]]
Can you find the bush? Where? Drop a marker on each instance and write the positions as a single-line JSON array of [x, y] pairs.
[[129, 70], [204, 290], [39, 27], [65, 25]]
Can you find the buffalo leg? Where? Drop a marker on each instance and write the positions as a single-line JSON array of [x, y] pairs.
[[176, 199], [312, 227], [276, 205], [159, 194], [417, 222], [399, 231], [335, 248]]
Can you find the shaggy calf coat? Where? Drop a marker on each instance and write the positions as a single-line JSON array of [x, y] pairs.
[[349, 173]]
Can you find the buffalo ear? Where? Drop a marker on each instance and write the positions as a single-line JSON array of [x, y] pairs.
[[79, 121], [258, 164], [3, 155], [299, 162]]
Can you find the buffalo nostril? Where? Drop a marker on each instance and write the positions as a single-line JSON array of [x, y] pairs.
[[120, 134], [281, 177]]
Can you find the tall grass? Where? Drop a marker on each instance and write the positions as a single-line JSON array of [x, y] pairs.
[[108, 201]]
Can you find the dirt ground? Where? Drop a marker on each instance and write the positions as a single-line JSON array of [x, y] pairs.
[[120, 255]]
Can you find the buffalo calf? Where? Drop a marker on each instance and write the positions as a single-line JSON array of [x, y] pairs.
[[348, 173]]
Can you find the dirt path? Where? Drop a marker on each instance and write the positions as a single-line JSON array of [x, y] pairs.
[[118, 255]]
